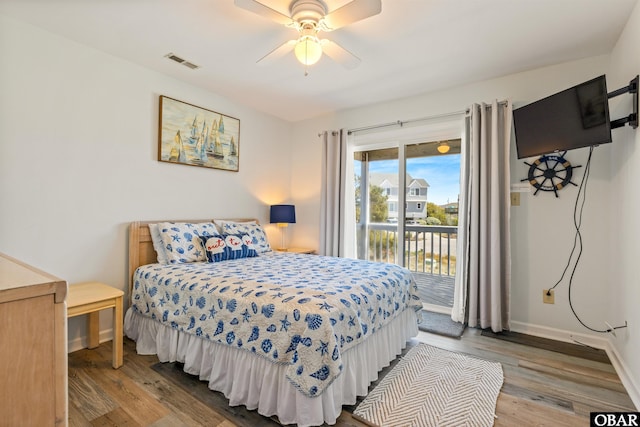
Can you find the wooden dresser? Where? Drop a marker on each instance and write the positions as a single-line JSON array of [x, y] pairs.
[[33, 346]]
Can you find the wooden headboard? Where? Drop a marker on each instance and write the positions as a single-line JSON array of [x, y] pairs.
[[141, 249]]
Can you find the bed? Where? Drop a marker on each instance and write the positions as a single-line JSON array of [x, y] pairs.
[[290, 335]]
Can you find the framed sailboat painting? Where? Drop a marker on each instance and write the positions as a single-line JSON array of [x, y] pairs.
[[195, 136]]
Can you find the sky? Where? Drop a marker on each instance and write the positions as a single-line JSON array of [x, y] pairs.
[[441, 172]]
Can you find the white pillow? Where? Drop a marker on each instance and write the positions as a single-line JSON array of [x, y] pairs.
[[252, 228], [181, 240], [157, 244]]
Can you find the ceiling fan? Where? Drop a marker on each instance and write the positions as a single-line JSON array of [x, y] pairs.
[[309, 17]]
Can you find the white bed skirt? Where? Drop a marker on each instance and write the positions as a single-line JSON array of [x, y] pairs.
[[246, 379]]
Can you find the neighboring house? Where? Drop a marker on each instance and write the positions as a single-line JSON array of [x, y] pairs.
[[451, 210], [416, 197]]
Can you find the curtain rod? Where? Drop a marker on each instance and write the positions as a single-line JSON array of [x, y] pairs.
[[404, 122], [421, 119]]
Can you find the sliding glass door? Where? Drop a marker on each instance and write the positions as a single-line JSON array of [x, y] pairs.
[[406, 211]]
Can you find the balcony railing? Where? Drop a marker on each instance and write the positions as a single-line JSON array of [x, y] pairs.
[[429, 249]]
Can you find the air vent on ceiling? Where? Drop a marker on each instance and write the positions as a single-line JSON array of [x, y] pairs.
[[182, 61]]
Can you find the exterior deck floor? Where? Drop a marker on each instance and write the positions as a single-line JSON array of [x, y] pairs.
[[435, 289]]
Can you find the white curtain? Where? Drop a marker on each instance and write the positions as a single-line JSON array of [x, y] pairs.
[[332, 197], [483, 278]]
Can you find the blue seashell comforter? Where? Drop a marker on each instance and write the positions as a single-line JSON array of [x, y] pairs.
[[304, 311]]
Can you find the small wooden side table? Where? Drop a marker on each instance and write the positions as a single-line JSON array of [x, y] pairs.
[[91, 297], [298, 250]]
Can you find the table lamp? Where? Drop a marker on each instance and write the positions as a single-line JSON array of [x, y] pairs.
[[282, 216]]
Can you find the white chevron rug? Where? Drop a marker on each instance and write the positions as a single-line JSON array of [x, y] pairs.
[[434, 387]]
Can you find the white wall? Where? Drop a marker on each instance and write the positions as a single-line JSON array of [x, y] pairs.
[[78, 142], [78, 162], [606, 285], [541, 227], [624, 281]]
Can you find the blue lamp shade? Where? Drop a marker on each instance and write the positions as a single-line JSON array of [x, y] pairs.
[[282, 214]]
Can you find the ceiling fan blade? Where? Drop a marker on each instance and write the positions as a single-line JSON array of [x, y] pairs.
[[278, 52], [339, 54], [353, 11], [264, 11]]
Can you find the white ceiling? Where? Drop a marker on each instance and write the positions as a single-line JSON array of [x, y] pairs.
[[412, 47]]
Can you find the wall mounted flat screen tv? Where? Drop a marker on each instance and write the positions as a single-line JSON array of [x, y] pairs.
[[574, 118]]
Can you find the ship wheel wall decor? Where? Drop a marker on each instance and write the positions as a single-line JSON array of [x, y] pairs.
[[551, 172]]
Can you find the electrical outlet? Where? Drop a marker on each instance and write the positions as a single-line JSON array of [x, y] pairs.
[[548, 296]]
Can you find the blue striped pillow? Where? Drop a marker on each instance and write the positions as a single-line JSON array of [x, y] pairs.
[[228, 246], [252, 228]]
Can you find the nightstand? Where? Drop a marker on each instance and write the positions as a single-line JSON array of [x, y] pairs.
[[89, 298], [298, 250]]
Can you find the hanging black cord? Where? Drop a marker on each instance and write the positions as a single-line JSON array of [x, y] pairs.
[[577, 222], [577, 240]]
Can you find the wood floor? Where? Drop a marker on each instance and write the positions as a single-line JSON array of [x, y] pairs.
[[541, 388]]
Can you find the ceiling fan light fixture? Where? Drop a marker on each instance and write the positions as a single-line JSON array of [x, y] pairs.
[[443, 148], [309, 17], [308, 50]]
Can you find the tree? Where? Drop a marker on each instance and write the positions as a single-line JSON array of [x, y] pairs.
[[436, 211], [432, 220], [378, 206]]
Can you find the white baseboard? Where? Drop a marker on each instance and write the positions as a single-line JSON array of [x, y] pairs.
[[559, 335], [623, 372], [82, 342], [603, 343]]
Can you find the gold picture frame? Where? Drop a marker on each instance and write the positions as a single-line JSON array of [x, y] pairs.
[[195, 136]]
